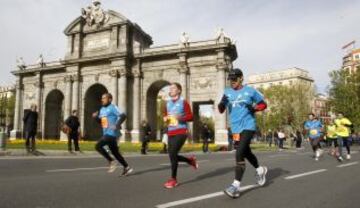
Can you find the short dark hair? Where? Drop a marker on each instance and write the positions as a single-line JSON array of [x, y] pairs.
[[178, 86], [74, 111], [109, 95], [311, 114]]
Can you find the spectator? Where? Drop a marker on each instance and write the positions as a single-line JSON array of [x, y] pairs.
[[73, 124], [206, 137], [30, 127], [282, 138], [145, 136]]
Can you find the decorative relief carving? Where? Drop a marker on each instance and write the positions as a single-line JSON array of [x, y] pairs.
[[203, 83], [94, 14], [113, 73]]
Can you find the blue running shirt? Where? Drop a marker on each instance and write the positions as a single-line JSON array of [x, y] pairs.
[[314, 128], [238, 103], [109, 116]]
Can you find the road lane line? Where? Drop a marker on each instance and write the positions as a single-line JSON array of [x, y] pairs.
[[279, 155], [199, 198], [305, 174], [74, 169], [347, 164], [182, 163]]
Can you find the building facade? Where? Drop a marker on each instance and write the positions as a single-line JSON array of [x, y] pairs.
[[106, 52], [286, 77], [7, 91], [6, 110], [320, 107], [351, 61]]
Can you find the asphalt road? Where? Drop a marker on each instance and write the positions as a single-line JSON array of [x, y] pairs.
[[294, 180]]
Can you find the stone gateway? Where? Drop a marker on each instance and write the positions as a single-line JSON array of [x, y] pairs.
[[106, 52]]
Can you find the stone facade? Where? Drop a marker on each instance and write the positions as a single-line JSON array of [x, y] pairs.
[[116, 56], [287, 77]]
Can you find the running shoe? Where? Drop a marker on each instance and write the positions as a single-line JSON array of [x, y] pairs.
[[193, 162], [112, 167], [232, 191], [127, 171], [340, 159], [261, 175], [348, 156], [171, 183]]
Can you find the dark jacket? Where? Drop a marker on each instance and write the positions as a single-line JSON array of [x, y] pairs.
[[30, 121], [146, 132], [73, 123]]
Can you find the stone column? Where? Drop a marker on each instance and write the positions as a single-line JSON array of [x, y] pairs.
[[39, 87], [16, 132], [184, 71], [135, 133], [122, 97], [185, 83], [220, 121], [75, 92], [67, 100], [114, 85]]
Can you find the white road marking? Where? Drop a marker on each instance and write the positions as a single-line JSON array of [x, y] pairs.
[[47, 157], [199, 198], [74, 169], [182, 163], [279, 155], [305, 174], [347, 164], [231, 159]]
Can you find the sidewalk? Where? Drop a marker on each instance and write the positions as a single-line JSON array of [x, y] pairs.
[[22, 153]]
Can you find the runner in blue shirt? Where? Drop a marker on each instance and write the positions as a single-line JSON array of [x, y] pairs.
[[111, 118], [242, 102], [314, 129]]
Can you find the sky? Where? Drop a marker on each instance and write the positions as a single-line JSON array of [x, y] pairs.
[[269, 35]]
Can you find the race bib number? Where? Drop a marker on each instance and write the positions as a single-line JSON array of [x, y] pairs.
[[314, 132], [236, 137], [104, 122], [173, 121]]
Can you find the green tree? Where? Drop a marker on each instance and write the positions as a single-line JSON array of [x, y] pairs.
[[287, 106], [344, 92]]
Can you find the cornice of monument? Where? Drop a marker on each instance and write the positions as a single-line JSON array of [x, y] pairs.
[[193, 47]]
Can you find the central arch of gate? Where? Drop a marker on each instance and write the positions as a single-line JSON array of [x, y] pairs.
[[201, 70]]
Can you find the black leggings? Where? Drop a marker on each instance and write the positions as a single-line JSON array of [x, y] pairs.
[[315, 144], [30, 136], [112, 144], [175, 144], [243, 151]]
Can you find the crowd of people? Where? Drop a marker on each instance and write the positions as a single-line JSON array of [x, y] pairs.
[[240, 101]]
